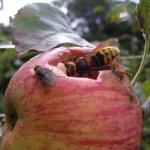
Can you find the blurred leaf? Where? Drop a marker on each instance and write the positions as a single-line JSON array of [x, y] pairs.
[[98, 9], [26, 56], [41, 27], [6, 55], [146, 89], [119, 13], [143, 14]]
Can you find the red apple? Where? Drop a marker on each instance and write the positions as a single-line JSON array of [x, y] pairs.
[[71, 114]]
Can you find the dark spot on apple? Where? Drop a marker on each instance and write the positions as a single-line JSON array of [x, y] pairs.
[[11, 116], [13, 120]]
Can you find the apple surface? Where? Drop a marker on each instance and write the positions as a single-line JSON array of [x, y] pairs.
[[73, 113]]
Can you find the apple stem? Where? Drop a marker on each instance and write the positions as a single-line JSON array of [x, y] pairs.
[[146, 50]]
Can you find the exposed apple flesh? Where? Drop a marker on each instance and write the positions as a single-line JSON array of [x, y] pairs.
[[72, 114]]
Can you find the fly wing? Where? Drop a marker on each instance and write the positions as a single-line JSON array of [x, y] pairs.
[[45, 75], [48, 77], [109, 42]]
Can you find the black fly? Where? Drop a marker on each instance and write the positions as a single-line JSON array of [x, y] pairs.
[[45, 75]]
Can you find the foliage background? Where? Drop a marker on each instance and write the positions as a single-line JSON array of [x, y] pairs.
[[95, 21]]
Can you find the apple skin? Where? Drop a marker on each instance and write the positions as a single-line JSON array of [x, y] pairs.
[[72, 114]]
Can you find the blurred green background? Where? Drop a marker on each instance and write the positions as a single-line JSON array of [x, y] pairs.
[[95, 21]]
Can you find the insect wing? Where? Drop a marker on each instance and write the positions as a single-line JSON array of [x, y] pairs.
[[109, 42], [45, 75], [116, 63], [48, 77]]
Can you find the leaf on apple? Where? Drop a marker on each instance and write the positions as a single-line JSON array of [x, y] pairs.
[[143, 14], [41, 27]]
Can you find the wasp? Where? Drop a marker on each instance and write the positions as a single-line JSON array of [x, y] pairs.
[[97, 59], [45, 75], [69, 66]]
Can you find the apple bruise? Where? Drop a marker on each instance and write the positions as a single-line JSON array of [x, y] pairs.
[[11, 117], [11, 114]]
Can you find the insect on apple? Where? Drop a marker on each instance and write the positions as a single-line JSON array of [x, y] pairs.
[[45, 75], [99, 58]]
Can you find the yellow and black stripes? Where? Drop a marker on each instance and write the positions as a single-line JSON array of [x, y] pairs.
[[105, 56]]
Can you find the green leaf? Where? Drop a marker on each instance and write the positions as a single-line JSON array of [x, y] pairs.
[[143, 14], [119, 13], [146, 89], [41, 27]]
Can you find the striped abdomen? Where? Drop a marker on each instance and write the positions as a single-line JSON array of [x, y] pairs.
[[105, 56]]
